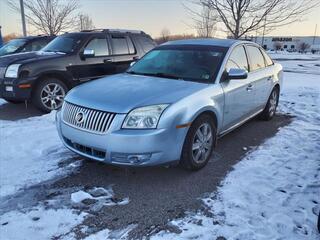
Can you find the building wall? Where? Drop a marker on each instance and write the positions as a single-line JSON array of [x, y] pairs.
[[287, 43]]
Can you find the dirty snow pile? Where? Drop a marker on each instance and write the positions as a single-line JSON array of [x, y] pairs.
[[274, 192]]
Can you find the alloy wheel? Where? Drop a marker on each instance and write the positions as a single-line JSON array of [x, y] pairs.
[[202, 143], [273, 102], [52, 96]]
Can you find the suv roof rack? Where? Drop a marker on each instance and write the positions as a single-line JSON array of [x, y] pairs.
[[114, 30]]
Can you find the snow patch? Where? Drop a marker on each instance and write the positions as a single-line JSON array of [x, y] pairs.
[[107, 234], [79, 196], [39, 223], [30, 153], [2, 101]]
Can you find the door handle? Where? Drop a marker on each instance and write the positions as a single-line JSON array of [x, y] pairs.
[[135, 58], [269, 78], [249, 87], [108, 60]]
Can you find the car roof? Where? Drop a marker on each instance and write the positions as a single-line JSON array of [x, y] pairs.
[[35, 37], [102, 31], [207, 42]]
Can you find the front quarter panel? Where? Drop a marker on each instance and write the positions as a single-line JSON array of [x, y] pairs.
[[189, 108]]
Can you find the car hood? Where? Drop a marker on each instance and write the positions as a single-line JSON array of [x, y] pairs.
[[123, 92], [21, 58]]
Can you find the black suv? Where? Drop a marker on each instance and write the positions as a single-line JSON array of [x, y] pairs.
[[70, 59], [25, 44]]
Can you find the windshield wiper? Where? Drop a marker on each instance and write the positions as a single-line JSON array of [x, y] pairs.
[[162, 75], [59, 52]]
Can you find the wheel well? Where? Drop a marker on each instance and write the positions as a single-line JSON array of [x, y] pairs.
[[53, 75], [212, 115]]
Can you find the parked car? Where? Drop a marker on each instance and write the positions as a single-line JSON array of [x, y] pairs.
[[172, 105], [25, 44], [70, 59]]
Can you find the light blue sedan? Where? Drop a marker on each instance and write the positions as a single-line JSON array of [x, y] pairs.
[[172, 105]]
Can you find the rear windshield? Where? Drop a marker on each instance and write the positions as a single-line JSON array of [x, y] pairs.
[[189, 63]]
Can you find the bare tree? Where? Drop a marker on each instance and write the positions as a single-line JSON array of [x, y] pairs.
[[304, 46], [85, 22], [243, 17], [165, 34], [277, 45], [49, 16], [204, 22]]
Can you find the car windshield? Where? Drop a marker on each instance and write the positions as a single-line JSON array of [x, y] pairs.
[[197, 64], [12, 46], [62, 45]]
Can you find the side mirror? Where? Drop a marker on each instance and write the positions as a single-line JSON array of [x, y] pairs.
[[236, 73], [132, 63], [88, 53]]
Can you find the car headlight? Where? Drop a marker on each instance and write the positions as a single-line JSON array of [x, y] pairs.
[[144, 117], [12, 71]]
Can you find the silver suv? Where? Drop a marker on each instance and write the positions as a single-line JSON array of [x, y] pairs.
[[172, 105]]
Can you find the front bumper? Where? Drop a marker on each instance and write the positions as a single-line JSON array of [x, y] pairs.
[[11, 88], [124, 147]]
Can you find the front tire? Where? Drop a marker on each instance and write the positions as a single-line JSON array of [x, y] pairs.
[[49, 94], [199, 143], [271, 107]]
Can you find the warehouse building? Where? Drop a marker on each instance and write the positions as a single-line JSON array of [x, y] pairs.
[[291, 44]]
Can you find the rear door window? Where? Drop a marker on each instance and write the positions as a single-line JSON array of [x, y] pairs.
[[99, 45], [238, 59], [256, 58], [268, 60], [121, 45]]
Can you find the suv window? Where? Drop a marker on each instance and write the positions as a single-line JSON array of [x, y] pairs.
[[122, 45], [35, 45], [256, 58], [269, 62], [238, 59], [99, 45]]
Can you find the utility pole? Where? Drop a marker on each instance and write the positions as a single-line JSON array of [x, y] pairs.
[[315, 34], [23, 19]]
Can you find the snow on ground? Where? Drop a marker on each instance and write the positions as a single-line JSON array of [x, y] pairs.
[[38, 223], [30, 153], [292, 55], [107, 234], [274, 192], [2, 101]]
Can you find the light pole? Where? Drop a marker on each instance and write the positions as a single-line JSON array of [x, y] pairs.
[[23, 19]]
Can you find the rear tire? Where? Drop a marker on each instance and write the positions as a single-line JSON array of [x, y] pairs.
[[271, 107], [199, 143], [49, 94]]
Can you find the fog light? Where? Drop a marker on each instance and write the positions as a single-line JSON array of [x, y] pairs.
[[9, 88], [138, 158], [130, 158]]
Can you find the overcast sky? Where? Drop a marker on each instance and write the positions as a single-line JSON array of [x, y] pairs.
[[148, 15]]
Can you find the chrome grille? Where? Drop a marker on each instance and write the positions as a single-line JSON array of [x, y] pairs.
[[87, 119]]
